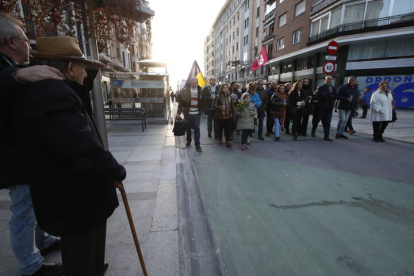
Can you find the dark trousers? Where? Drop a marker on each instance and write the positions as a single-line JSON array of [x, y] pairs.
[[304, 123], [226, 125], [245, 135], [260, 116], [364, 111], [349, 123], [194, 124], [287, 120], [233, 127], [84, 255], [269, 122], [326, 117], [379, 128], [210, 121], [296, 116]]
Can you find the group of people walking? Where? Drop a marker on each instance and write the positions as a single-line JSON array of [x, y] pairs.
[[287, 107]]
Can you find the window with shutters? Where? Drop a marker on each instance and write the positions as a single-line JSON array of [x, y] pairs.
[[282, 20], [300, 8]]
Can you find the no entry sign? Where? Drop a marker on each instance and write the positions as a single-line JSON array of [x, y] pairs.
[[328, 67], [333, 47]]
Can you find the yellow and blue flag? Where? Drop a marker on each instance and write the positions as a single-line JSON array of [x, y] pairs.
[[195, 72]]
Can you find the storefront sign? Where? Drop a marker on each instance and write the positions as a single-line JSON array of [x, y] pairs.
[[138, 84], [401, 85]]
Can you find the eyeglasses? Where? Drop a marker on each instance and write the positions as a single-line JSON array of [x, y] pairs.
[[22, 39]]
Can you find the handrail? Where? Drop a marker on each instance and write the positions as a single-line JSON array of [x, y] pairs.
[[268, 37], [362, 25], [269, 15]]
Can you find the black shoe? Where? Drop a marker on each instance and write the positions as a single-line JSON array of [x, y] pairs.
[[326, 138], [337, 136], [56, 245], [287, 132], [199, 149], [188, 144], [304, 135], [381, 139], [106, 265], [295, 137], [49, 269], [261, 137], [343, 136], [375, 140], [313, 135]]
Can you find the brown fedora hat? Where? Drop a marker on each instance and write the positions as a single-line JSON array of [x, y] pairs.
[[62, 48]]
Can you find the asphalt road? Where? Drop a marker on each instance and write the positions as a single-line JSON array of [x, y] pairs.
[[311, 207]]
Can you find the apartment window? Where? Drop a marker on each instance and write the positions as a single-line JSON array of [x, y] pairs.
[[281, 44], [257, 32], [258, 12], [123, 58], [300, 8], [246, 39], [237, 31], [403, 7], [282, 19], [320, 25], [281, 1], [354, 13], [237, 46], [237, 16], [297, 36]]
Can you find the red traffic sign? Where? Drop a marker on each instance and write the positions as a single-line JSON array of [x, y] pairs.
[[328, 67], [333, 47]]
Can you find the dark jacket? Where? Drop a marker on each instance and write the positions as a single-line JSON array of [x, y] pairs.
[[264, 98], [294, 98], [228, 112], [326, 95], [308, 109], [208, 103], [276, 102], [72, 175], [9, 90], [345, 92], [185, 101], [269, 92]]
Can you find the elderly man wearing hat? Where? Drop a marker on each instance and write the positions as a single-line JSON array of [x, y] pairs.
[[72, 175]]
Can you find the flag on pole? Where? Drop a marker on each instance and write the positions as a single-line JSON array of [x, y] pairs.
[[260, 60], [195, 72]]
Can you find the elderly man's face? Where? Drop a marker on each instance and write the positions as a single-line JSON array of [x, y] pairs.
[[328, 80], [351, 82], [22, 47], [77, 72], [213, 81], [194, 82]]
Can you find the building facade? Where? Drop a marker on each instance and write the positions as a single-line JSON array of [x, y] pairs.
[[234, 41], [375, 40]]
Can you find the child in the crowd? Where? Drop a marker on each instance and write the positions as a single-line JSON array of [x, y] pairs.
[[246, 113]]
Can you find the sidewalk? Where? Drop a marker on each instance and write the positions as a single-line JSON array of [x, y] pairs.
[[149, 158]]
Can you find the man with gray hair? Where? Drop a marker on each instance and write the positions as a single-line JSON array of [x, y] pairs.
[[191, 105], [209, 93], [26, 237], [270, 122], [347, 96]]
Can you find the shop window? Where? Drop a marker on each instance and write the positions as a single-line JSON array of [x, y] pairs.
[[367, 51], [354, 13], [400, 48]]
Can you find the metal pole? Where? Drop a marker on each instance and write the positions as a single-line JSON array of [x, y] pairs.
[[97, 99]]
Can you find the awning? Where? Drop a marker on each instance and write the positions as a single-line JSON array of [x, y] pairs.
[[268, 24]]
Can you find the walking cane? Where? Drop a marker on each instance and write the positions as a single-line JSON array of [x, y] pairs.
[[120, 186]]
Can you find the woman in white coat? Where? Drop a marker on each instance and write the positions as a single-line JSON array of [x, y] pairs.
[[381, 110]]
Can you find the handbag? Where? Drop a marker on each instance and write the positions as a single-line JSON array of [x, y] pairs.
[[394, 115], [276, 113], [180, 126]]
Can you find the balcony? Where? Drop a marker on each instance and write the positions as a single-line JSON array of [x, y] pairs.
[[321, 5], [268, 39], [269, 16], [269, 2], [384, 23]]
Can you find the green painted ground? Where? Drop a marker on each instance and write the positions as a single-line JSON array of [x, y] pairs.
[[286, 218]]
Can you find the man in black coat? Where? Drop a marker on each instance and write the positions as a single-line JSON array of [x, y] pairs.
[[308, 109], [14, 76], [72, 175], [326, 95], [348, 99], [209, 93], [270, 122]]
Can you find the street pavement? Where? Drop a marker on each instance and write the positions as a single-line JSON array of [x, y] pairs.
[[305, 207], [311, 207]]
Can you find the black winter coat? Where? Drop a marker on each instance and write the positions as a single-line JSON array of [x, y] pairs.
[[345, 92], [72, 175], [294, 98], [307, 89], [9, 89], [276, 102], [326, 95]]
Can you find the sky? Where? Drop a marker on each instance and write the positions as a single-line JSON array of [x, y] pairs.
[[179, 29]]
